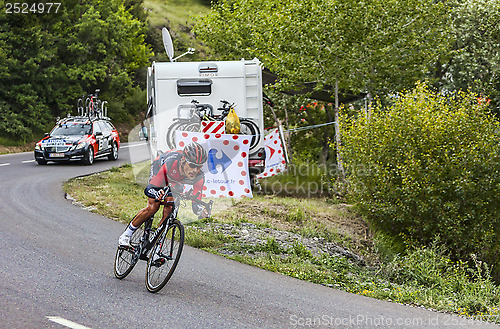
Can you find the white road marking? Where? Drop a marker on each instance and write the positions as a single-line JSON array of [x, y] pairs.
[[28, 161], [66, 323], [4, 164], [128, 146]]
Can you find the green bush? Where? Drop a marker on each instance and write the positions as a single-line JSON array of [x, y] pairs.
[[466, 288], [429, 165]]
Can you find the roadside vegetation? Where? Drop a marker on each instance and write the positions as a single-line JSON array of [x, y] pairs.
[[85, 46], [433, 164], [314, 239], [178, 16], [415, 220]]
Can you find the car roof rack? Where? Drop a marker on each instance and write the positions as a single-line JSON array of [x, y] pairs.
[[79, 118]]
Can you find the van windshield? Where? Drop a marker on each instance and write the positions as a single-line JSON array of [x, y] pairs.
[[72, 129]]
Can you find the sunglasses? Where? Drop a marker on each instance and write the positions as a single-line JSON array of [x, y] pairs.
[[194, 166]]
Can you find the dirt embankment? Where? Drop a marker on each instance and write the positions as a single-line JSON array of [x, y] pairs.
[[29, 147]]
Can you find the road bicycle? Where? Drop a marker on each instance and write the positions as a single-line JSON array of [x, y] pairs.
[[91, 106], [191, 123], [204, 112], [160, 247]]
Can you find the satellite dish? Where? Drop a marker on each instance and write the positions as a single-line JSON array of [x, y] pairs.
[[167, 42]]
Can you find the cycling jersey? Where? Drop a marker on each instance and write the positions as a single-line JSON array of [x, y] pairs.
[[165, 169], [157, 163]]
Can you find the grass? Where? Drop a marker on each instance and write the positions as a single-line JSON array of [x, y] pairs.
[[423, 277], [178, 17], [119, 193], [178, 12], [10, 142], [302, 179], [119, 198], [173, 12]]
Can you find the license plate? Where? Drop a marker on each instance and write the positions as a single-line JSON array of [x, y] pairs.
[[56, 155]]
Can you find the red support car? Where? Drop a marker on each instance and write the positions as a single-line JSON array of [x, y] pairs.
[[79, 138]]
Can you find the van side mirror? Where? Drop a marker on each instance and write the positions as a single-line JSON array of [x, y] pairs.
[[143, 134]]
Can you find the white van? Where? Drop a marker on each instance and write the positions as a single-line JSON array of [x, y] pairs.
[[173, 88]]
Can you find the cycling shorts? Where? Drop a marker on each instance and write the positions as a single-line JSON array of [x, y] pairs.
[[151, 192]]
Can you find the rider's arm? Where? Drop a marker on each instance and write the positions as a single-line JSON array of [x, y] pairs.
[[163, 194], [198, 188], [197, 192], [160, 179]]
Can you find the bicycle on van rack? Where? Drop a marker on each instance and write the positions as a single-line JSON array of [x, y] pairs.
[[204, 112], [160, 247], [91, 106]]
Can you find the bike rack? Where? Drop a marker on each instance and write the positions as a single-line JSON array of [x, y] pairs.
[[83, 108]]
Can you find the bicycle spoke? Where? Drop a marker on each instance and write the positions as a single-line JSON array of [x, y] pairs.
[[164, 258], [126, 258]]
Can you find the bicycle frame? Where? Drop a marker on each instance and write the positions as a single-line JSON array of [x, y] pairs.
[[161, 248], [148, 238]]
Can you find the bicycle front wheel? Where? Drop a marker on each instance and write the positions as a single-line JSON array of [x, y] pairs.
[[126, 258], [165, 256]]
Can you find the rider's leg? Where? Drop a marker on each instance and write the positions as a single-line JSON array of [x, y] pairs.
[[146, 212], [167, 209], [140, 218]]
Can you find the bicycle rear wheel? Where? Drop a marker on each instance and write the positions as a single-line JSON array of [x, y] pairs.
[[177, 125], [126, 258], [165, 256], [248, 127], [184, 125]]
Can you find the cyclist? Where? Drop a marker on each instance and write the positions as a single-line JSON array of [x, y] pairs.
[[174, 168]]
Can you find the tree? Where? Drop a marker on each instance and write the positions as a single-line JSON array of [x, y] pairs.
[[474, 60], [52, 59], [380, 47]]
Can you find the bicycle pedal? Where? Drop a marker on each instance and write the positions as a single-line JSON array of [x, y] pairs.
[[159, 262], [128, 248]]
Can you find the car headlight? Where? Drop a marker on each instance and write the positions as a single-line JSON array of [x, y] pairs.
[[82, 145], [38, 147]]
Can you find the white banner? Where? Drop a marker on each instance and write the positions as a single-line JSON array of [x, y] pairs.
[[275, 159], [226, 171]]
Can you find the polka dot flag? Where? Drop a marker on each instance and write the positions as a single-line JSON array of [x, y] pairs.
[[226, 171], [275, 159]]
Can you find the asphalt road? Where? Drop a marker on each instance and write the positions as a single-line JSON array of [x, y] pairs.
[[56, 271]]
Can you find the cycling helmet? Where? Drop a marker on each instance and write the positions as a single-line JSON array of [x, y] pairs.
[[195, 154]]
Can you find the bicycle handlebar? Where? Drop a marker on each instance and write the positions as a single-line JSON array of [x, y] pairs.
[[187, 196], [165, 190], [194, 197], [202, 107], [226, 104]]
